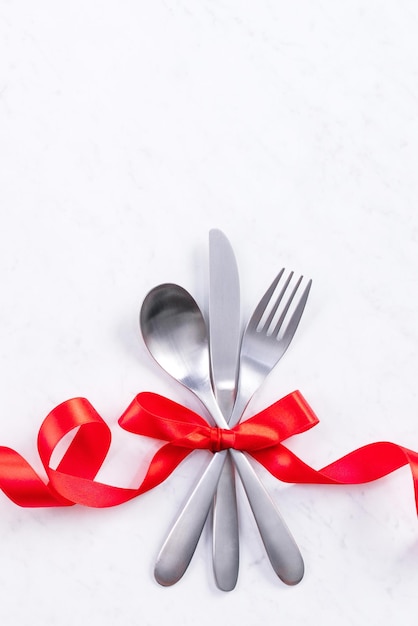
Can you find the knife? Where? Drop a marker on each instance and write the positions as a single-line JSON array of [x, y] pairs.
[[180, 544], [224, 342]]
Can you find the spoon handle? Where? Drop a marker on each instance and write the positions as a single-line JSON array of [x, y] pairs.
[[178, 549]]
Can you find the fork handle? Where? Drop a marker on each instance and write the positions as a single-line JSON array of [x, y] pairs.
[[281, 548]]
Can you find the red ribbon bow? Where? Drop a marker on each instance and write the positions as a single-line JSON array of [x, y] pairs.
[[151, 415]]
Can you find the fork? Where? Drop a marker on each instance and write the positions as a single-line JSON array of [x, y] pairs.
[[263, 344], [265, 340]]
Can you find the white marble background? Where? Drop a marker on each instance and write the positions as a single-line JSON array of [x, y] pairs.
[[127, 131]]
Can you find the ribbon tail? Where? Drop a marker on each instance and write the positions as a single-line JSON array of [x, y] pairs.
[[163, 463], [366, 464], [22, 485], [91, 493]]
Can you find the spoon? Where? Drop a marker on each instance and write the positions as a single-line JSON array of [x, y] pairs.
[[174, 331]]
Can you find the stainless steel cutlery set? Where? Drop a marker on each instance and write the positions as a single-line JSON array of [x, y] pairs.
[[224, 368]]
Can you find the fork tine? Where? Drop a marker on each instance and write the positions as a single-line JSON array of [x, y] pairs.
[[296, 315], [280, 321], [261, 307], [275, 306]]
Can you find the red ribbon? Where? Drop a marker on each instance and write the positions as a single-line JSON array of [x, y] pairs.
[[73, 480]]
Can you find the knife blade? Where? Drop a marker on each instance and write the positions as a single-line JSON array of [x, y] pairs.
[[224, 343], [224, 320]]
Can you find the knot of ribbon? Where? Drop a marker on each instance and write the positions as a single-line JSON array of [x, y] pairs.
[[221, 439], [181, 431]]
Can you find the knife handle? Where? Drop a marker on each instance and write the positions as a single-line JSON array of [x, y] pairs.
[[179, 547], [225, 530]]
